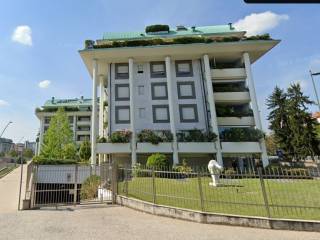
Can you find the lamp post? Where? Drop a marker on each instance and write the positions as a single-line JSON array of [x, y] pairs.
[[5, 128], [314, 86]]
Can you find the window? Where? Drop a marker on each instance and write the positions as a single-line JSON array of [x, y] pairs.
[[122, 92], [184, 68], [122, 114], [186, 90], [71, 119], [160, 113], [157, 69], [122, 70], [84, 119], [140, 68], [142, 113], [141, 90], [188, 113], [159, 91], [83, 137]]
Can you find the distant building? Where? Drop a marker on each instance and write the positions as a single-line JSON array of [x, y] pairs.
[[78, 111], [316, 115], [30, 145], [5, 145]]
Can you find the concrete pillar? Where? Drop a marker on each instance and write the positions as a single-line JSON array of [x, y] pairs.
[[132, 113], [172, 111], [41, 134], [94, 116], [74, 128], [254, 105], [212, 107], [101, 105]]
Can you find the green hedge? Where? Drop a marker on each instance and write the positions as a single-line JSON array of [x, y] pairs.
[[241, 135], [196, 135]]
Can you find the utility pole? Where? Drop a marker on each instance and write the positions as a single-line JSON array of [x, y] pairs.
[[5, 128], [314, 86]]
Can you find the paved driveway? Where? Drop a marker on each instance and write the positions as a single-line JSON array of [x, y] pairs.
[[115, 222]]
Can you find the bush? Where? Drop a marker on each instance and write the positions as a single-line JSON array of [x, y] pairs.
[[122, 136], [89, 188], [139, 171], [157, 161], [183, 168], [88, 44], [187, 40], [102, 140], [260, 37], [241, 135], [196, 135], [230, 111], [157, 28], [150, 136], [45, 161]]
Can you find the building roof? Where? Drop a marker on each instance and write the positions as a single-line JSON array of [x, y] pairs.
[[185, 32], [75, 102]]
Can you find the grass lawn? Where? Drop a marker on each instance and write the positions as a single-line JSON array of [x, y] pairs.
[[287, 198]]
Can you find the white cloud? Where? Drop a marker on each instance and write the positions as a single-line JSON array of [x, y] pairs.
[[257, 23], [3, 103], [44, 84], [22, 34]]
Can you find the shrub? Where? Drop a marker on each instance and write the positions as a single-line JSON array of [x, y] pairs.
[[45, 161], [89, 188], [88, 44], [241, 135], [157, 161], [196, 135], [102, 140], [150, 136], [187, 40], [230, 111], [157, 28], [122, 136], [260, 37], [183, 168], [228, 39]]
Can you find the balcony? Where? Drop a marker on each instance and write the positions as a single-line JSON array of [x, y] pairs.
[[113, 148], [232, 97], [228, 73], [196, 147], [236, 121], [84, 123], [241, 147], [154, 148]]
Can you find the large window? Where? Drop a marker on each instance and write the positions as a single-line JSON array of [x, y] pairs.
[[188, 113], [122, 92], [157, 69], [122, 114], [122, 71], [159, 91], [184, 68], [160, 113], [186, 90]]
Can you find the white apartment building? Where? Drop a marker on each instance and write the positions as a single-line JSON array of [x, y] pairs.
[[78, 112], [177, 80]]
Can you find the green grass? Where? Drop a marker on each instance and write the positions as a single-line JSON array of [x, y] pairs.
[[293, 199]]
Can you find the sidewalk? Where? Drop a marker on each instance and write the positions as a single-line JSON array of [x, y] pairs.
[[9, 190]]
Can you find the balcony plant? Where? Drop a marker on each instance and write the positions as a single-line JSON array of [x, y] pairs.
[[241, 135], [196, 135], [150, 136], [157, 28], [121, 136], [232, 87], [232, 111]]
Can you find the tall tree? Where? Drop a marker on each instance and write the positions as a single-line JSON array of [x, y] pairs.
[[302, 125], [85, 151], [58, 140]]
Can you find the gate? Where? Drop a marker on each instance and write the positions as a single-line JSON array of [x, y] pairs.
[[54, 185]]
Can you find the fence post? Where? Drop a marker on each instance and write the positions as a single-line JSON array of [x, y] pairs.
[[200, 191], [126, 182], [114, 182], [153, 187], [75, 190], [264, 193]]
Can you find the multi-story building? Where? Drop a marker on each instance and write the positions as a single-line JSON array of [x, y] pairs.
[[78, 112], [5, 145], [178, 80]]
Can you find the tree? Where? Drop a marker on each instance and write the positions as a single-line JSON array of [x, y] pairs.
[[13, 153], [58, 140], [271, 144], [28, 153], [85, 151], [293, 126]]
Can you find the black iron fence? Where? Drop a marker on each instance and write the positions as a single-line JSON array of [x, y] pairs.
[[273, 193]]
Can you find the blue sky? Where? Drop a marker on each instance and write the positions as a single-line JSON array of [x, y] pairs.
[[46, 46]]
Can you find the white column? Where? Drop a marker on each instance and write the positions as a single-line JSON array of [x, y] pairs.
[[212, 106], [172, 111], [94, 119], [101, 103], [255, 108], [132, 113], [74, 128], [41, 134]]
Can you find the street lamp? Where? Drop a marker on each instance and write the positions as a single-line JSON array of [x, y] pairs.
[[5, 128], [314, 86]]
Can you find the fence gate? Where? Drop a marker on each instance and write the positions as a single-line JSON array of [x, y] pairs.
[[53, 185]]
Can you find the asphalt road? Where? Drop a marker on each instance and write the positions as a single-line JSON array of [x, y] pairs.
[[115, 222]]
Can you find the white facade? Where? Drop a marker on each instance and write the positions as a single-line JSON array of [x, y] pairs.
[[175, 88]]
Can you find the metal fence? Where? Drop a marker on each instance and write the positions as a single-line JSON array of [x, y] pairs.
[[53, 185], [273, 193]]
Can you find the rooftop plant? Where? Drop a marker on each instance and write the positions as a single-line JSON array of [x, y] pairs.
[[259, 37], [157, 28], [241, 135]]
